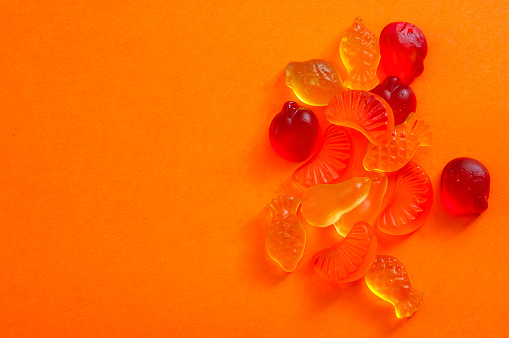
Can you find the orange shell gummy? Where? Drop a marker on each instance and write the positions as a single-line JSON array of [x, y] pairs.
[[410, 204], [363, 111], [330, 163], [350, 259]]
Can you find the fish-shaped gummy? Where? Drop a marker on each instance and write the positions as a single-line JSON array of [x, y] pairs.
[[405, 140], [363, 111], [389, 280], [360, 51], [286, 238], [315, 82], [407, 206], [350, 259], [324, 204], [330, 163], [369, 209]]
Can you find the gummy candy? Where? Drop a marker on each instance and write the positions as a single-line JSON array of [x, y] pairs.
[[350, 259], [399, 96], [286, 239], [360, 53], [330, 163], [389, 280], [406, 138], [368, 210], [363, 111], [315, 82], [403, 48], [324, 204], [407, 202], [465, 186], [293, 132]]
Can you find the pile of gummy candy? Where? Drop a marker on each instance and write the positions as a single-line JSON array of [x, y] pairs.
[[387, 190]]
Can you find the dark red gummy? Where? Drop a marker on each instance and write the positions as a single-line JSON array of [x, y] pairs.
[[399, 96], [465, 186], [403, 48], [293, 132]]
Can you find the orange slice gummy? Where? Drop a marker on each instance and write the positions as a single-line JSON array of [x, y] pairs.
[[364, 111], [408, 207], [330, 163], [350, 259]]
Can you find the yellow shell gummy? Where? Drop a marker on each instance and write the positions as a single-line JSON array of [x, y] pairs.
[[315, 82], [286, 238], [360, 52], [324, 204], [403, 144]]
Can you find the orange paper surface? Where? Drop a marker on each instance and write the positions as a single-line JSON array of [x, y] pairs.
[[136, 166]]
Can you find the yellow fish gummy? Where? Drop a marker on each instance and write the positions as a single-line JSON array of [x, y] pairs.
[[286, 239], [388, 279], [360, 52], [315, 82]]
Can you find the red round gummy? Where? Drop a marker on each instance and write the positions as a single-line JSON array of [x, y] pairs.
[[465, 186], [293, 132], [403, 48], [399, 96]]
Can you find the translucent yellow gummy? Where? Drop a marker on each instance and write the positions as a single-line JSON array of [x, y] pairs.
[[315, 82], [286, 238], [360, 52], [368, 210], [388, 279], [403, 144], [324, 204]]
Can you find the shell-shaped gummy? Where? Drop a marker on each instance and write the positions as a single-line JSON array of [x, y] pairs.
[[364, 111], [286, 239], [350, 259], [400, 149], [410, 204], [330, 163]]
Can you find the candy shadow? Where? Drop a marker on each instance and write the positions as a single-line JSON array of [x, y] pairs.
[[257, 264]]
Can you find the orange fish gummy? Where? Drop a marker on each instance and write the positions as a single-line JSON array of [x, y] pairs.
[[350, 259], [368, 210], [330, 163], [286, 239], [388, 279], [363, 111], [360, 52], [315, 82], [407, 205], [406, 138], [324, 204]]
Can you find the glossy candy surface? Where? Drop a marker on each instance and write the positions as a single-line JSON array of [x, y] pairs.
[[350, 259], [324, 204], [399, 96], [315, 82], [408, 201], [286, 239], [389, 280], [405, 140], [293, 132], [360, 53], [368, 210], [465, 186], [330, 163], [403, 48], [363, 111]]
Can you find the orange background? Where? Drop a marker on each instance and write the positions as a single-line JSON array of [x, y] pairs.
[[136, 168]]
